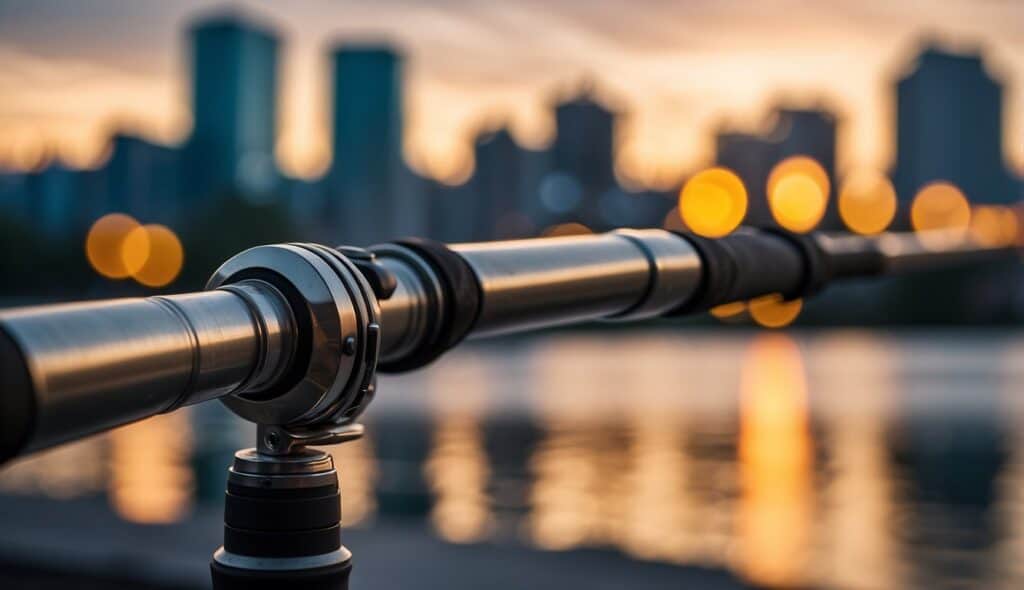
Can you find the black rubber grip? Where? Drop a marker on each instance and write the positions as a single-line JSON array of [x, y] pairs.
[[300, 543], [333, 577], [861, 263], [17, 399], [460, 305], [818, 270], [746, 264]]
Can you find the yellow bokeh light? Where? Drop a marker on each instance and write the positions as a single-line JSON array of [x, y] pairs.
[[103, 244], [942, 212], [798, 189], [986, 226], [135, 250], [867, 203], [163, 258], [771, 311], [729, 310], [1010, 223], [566, 229], [799, 166], [775, 519], [797, 203], [713, 202]]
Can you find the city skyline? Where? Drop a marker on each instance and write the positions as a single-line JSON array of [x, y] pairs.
[[449, 98]]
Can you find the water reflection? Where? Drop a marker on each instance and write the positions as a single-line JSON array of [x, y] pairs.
[[457, 469], [775, 455], [834, 459], [854, 389], [150, 481]]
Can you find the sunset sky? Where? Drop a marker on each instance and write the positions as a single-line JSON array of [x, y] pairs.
[[71, 72]]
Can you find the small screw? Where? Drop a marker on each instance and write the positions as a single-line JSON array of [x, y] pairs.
[[349, 346], [273, 439]]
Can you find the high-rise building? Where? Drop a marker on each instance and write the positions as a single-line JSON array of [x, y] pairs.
[[584, 149], [14, 196], [370, 190], [234, 105], [142, 179], [503, 182], [949, 113], [55, 200]]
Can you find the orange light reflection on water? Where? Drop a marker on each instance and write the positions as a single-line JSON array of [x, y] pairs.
[[457, 469], [150, 479], [776, 455]]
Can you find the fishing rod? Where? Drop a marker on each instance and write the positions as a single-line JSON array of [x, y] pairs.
[[291, 337]]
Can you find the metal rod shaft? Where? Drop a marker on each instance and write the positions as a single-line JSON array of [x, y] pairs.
[[293, 334]]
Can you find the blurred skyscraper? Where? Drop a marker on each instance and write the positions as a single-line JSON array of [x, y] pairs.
[[142, 179], [950, 127], [372, 194], [583, 154], [504, 182], [234, 105]]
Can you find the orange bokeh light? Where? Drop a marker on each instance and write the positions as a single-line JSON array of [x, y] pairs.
[[798, 190], [154, 253], [942, 213], [566, 229], [772, 311], [728, 310], [713, 203], [103, 245], [867, 203]]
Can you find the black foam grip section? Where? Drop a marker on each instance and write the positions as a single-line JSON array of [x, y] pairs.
[[744, 265], [272, 514], [257, 543], [864, 263], [461, 298], [818, 268], [17, 399]]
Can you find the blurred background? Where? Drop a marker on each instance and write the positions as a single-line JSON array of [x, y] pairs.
[[873, 443]]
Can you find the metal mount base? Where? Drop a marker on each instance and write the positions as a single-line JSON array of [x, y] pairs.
[[282, 514]]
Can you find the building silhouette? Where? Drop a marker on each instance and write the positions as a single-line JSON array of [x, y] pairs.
[[234, 73], [949, 126], [505, 180], [367, 176], [583, 153], [142, 179]]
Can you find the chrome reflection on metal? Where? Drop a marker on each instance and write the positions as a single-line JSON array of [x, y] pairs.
[[100, 364], [302, 468], [536, 283], [336, 313], [277, 564], [674, 272], [279, 440], [405, 316]]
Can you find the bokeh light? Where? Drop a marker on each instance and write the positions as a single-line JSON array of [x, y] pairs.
[[163, 258], [867, 203], [941, 211], [993, 226], [798, 189], [566, 229], [103, 245], [729, 310], [775, 519], [772, 311], [713, 203]]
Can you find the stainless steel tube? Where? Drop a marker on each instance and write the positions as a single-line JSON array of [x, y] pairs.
[[530, 284], [96, 365]]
